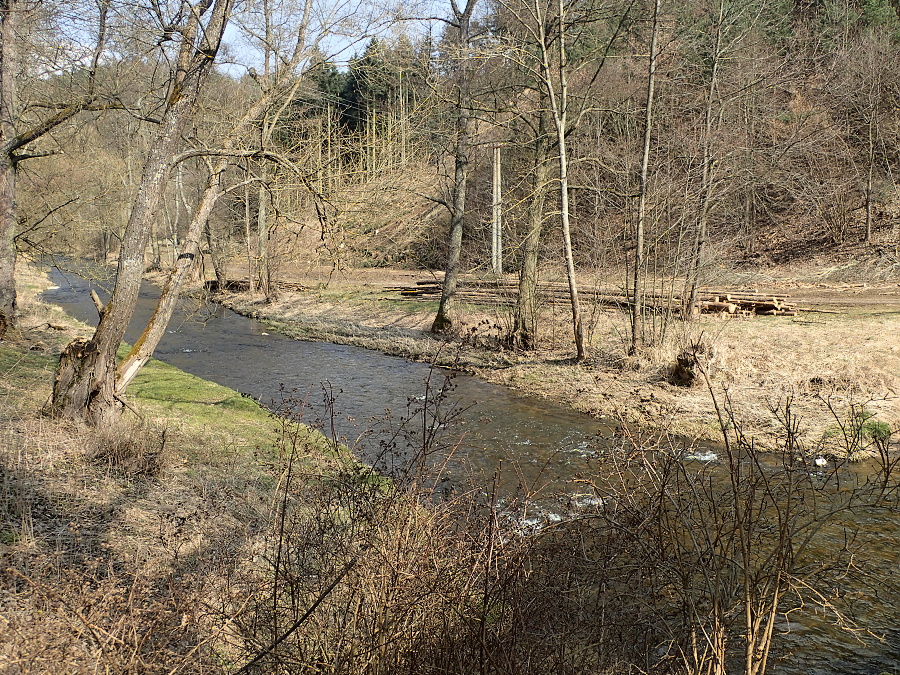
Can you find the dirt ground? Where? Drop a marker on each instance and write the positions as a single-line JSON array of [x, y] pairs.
[[839, 354]]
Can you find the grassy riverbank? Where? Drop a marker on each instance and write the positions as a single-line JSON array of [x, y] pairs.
[[116, 545]]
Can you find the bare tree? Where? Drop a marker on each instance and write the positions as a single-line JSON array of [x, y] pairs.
[[543, 50], [637, 303], [273, 98], [461, 25], [19, 132], [85, 381], [524, 327], [277, 91]]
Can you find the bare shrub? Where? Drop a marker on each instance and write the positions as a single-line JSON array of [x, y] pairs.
[[714, 556], [360, 574], [129, 447]]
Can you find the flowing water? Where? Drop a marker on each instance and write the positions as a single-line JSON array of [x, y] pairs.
[[538, 444]]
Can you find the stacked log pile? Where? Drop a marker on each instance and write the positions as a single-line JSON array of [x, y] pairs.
[[745, 303], [503, 293]]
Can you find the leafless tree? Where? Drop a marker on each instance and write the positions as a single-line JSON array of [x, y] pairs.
[[461, 30], [24, 127], [85, 381]]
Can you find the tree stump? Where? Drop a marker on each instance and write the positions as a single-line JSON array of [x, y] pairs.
[[84, 386], [691, 363]]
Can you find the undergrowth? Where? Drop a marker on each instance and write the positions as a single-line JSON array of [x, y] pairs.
[[208, 535]]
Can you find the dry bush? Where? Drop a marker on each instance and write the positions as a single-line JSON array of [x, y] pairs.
[[359, 574], [713, 559], [129, 447]]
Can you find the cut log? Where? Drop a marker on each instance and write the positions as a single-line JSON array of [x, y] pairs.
[[709, 307]]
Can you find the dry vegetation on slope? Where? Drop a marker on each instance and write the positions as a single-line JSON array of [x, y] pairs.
[[115, 545]]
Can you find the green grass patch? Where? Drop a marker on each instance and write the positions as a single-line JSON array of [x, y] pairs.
[[408, 306], [165, 391], [208, 409]]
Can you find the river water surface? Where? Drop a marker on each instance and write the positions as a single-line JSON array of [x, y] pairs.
[[539, 444]]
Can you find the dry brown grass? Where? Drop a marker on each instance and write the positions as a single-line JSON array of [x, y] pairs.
[[108, 541]]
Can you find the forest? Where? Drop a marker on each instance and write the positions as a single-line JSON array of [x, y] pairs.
[[608, 204]]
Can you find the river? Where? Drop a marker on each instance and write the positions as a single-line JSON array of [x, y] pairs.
[[540, 446]]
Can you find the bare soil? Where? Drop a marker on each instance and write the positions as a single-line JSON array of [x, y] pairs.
[[840, 353]]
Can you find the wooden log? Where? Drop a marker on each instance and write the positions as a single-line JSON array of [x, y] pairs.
[[709, 307], [777, 312]]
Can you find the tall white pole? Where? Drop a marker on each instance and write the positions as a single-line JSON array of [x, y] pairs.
[[497, 223]]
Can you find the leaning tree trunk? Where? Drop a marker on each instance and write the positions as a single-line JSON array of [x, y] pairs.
[[85, 382], [145, 345]]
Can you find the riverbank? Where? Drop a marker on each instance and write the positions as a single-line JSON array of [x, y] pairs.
[[203, 535], [837, 355], [206, 534], [117, 547]]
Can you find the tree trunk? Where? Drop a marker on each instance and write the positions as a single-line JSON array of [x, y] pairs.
[[214, 255], [637, 305], [559, 103], [692, 282], [8, 67], [870, 178], [524, 330], [262, 239], [85, 381], [443, 321], [145, 345], [497, 215], [7, 244], [251, 268]]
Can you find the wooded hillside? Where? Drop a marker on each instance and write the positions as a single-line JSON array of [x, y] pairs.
[[695, 134]]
